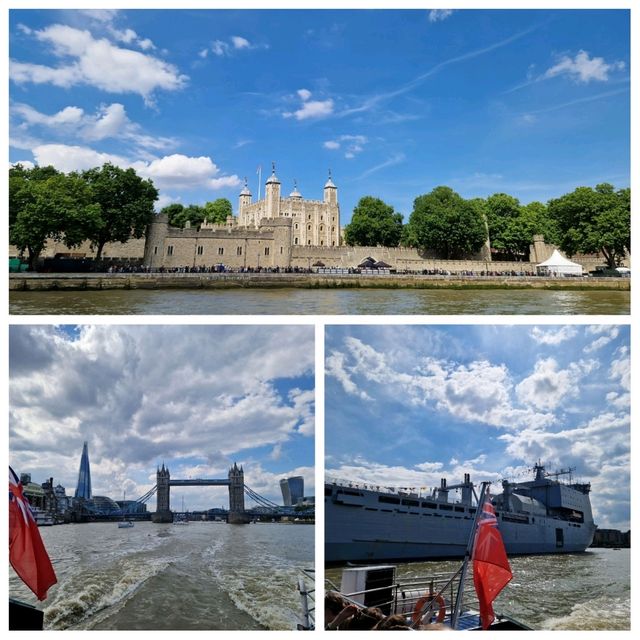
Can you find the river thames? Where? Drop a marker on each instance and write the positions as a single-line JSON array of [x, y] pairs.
[[291, 301], [583, 591], [205, 576]]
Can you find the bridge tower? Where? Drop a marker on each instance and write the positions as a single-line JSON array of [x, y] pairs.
[[237, 514], [163, 510]]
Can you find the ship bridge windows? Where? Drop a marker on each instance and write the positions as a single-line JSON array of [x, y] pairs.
[[389, 499], [410, 503], [446, 507], [459, 509], [429, 505], [348, 492]]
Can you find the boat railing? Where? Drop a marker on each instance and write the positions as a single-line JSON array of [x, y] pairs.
[[307, 599], [422, 492], [421, 599]]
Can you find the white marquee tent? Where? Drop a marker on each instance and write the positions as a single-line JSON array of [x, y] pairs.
[[558, 265]]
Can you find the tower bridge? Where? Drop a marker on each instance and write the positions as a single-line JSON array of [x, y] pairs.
[[234, 480]]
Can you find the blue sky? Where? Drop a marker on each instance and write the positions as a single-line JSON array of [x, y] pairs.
[[408, 405], [197, 398], [528, 102]]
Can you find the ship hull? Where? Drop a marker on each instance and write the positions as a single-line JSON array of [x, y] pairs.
[[357, 530]]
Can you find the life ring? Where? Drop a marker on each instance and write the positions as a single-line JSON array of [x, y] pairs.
[[442, 607]]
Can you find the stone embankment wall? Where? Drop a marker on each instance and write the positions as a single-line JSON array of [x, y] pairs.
[[39, 282], [402, 258]]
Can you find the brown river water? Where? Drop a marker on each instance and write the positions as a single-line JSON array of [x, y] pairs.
[[322, 302]]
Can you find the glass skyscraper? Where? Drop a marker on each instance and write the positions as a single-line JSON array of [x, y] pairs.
[[83, 490], [292, 490]]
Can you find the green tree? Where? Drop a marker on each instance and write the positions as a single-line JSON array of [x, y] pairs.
[[174, 213], [594, 220], [59, 207], [446, 223], [537, 221], [126, 204], [503, 212], [373, 223], [218, 211]]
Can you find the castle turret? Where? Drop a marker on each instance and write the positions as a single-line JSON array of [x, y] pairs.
[[295, 193], [272, 194], [330, 191], [245, 197]]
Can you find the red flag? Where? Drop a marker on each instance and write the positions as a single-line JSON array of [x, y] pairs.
[[27, 554], [491, 570]]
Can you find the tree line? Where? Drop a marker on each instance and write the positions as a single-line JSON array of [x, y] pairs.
[[587, 220], [101, 205], [110, 204]]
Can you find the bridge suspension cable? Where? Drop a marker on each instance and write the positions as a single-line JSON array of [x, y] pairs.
[[261, 500]]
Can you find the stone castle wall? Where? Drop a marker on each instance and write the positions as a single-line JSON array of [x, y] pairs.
[[270, 246]]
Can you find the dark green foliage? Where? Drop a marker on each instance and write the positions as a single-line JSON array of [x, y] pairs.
[[218, 211], [126, 204], [46, 204], [446, 223], [592, 220], [373, 223]]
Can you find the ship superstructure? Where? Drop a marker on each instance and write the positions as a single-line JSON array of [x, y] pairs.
[[365, 523]]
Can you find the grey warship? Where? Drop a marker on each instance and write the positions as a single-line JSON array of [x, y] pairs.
[[543, 515]]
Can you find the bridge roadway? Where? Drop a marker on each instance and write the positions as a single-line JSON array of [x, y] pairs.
[[199, 482]]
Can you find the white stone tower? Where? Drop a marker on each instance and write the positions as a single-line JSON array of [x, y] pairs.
[[330, 191], [272, 194]]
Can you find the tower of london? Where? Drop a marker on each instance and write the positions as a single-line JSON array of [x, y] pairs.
[[315, 223]]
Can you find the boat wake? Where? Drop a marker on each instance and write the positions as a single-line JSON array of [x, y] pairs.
[[264, 588], [600, 613], [74, 605]]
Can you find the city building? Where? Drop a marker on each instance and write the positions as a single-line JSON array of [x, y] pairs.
[[32, 491], [292, 490], [83, 490]]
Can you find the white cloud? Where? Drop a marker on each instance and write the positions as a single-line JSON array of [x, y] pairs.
[[98, 63], [477, 392], [603, 340], [310, 108], [583, 69], [553, 336], [621, 368], [240, 43], [109, 121], [336, 367], [228, 47], [438, 15], [178, 171], [218, 47], [352, 144], [67, 158], [27, 164], [549, 385], [174, 171]]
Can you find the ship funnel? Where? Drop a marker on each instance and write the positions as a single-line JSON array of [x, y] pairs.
[[465, 498], [443, 492]]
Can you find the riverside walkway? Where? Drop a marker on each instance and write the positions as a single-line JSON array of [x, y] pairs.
[[266, 280]]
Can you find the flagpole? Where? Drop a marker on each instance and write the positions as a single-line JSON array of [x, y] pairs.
[[472, 536], [259, 180]]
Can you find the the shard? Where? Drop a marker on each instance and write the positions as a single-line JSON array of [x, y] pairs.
[[83, 490]]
